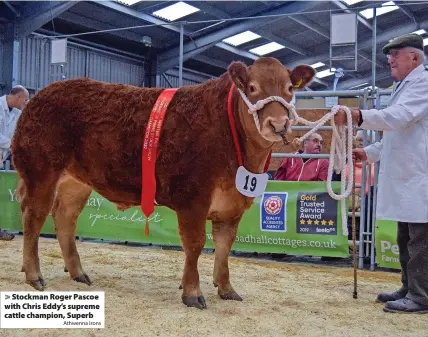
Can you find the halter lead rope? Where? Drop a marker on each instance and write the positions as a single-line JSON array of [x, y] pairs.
[[340, 149], [340, 152]]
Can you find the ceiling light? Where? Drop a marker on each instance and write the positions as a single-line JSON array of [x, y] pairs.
[[351, 2], [175, 11], [325, 73], [317, 65], [389, 7], [420, 32], [241, 38], [267, 48], [129, 2]]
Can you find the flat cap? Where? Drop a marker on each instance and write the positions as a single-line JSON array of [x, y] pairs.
[[408, 40]]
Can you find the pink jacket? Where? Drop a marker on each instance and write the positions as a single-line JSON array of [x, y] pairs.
[[294, 169]]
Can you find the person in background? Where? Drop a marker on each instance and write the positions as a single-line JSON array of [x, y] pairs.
[[305, 169], [403, 173], [11, 106]]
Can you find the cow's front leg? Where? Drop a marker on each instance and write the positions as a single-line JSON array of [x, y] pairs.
[[192, 232], [224, 234]]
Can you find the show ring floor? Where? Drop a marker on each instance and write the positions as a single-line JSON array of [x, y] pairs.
[[280, 299]]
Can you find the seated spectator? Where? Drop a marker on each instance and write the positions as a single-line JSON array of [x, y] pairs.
[[10, 110], [305, 169]]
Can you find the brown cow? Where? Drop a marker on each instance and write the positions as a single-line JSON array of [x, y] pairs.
[[80, 135]]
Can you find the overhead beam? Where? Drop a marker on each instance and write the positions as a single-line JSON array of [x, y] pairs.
[[9, 73], [367, 78], [405, 10], [115, 6], [237, 51], [97, 26], [325, 33], [170, 58], [12, 9], [37, 13], [286, 43], [365, 42], [341, 5], [211, 61], [203, 5]]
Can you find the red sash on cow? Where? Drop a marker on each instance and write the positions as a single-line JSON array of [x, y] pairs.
[[150, 144]]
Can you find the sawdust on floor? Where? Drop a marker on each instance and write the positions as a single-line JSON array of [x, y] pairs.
[[280, 299]]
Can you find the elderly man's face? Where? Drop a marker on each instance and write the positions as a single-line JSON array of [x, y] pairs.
[[314, 144], [23, 98], [402, 62]]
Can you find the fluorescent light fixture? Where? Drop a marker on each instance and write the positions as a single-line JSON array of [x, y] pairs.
[[175, 11], [351, 2], [267, 48], [317, 65], [420, 32], [425, 42], [129, 2], [368, 13], [325, 73], [241, 38], [359, 85]]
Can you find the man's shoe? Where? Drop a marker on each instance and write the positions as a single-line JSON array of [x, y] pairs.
[[5, 236], [385, 297], [405, 305]]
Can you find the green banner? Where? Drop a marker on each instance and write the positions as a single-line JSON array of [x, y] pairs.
[[298, 218], [386, 244]]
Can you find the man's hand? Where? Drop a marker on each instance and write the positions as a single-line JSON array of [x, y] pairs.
[[359, 155], [340, 117]]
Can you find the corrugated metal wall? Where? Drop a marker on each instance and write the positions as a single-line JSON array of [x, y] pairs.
[[171, 81], [35, 70]]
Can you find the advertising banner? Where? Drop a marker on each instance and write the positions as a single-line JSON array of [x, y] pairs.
[[386, 244], [297, 218]]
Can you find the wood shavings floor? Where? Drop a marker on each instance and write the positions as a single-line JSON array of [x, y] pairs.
[[280, 299]]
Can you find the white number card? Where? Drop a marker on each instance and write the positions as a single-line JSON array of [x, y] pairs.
[[250, 184]]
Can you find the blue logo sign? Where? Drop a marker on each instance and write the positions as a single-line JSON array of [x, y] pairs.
[[273, 212]]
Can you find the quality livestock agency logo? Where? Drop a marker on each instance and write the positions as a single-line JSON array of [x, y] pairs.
[[273, 205], [273, 212]]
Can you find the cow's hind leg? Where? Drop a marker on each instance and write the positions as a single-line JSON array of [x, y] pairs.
[[36, 195], [69, 203], [192, 233], [224, 234]]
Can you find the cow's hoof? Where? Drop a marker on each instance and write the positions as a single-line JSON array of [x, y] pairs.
[[37, 284], [65, 269], [195, 301], [83, 279], [232, 295]]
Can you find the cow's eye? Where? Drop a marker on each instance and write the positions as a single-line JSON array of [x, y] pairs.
[[290, 88], [252, 88]]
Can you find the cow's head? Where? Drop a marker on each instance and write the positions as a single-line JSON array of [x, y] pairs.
[[267, 96]]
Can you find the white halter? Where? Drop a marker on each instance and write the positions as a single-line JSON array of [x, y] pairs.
[[253, 108]]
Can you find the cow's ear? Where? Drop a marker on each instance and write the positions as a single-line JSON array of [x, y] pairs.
[[238, 72], [301, 76]]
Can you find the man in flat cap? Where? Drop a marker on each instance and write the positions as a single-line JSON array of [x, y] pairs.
[[403, 176]]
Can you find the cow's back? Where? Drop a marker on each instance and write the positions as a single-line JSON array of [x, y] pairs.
[[95, 130]]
